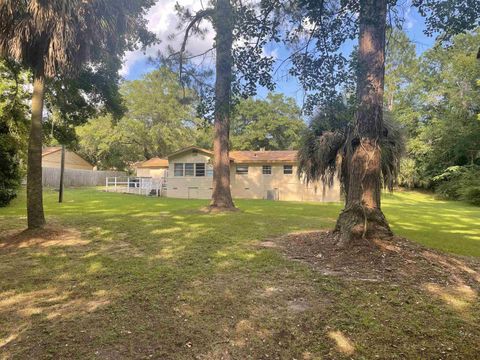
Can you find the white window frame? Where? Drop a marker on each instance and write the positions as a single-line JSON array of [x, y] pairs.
[[191, 169], [208, 170], [266, 169], [175, 165]]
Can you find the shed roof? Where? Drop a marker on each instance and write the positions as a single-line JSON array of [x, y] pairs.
[[50, 150], [53, 149], [155, 162]]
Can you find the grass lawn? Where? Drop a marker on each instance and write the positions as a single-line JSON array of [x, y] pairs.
[[125, 276]]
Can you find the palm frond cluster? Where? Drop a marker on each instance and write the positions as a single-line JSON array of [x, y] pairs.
[[329, 142], [58, 35]]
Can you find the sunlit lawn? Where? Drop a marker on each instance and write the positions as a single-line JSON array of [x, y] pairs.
[[450, 226], [138, 277]]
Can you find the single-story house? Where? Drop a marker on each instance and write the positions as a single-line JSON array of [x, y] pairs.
[[155, 168], [253, 175], [51, 158]]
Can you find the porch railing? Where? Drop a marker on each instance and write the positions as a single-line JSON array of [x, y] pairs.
[[137, 185]]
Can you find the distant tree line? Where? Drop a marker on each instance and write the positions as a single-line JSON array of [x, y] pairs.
[[436, 98]]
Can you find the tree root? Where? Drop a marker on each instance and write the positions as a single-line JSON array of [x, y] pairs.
[[358, 225]]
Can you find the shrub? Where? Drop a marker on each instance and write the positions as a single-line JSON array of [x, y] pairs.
[[459, 183], [471, 194], [10, 176]]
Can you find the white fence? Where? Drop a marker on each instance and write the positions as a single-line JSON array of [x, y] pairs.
[[74, 177], [136, 185]]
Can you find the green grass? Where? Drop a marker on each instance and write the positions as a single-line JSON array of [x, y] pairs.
[[450, 226], [139, 277]]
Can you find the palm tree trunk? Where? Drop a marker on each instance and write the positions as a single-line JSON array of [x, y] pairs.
[[221, 195], [35, 216], [362, 217]]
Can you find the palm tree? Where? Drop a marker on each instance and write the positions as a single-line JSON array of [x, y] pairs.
[[56, 38], [328, 147]]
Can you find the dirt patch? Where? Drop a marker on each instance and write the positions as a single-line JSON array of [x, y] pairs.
[[298, 305], [51, 235], [396, 260]]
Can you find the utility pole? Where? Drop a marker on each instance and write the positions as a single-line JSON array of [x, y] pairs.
[[62, 170]]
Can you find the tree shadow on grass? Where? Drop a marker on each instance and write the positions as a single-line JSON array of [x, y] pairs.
[[174, 284]]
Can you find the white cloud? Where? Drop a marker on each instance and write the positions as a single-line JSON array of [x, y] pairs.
[[163, 21], [270, 53], [409, 20]]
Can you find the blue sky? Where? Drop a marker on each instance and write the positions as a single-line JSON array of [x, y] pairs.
[[163, 21]]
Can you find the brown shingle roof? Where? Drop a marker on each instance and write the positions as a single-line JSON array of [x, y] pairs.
[[154, 163], [276, 156], [194, 148], [280, 156]]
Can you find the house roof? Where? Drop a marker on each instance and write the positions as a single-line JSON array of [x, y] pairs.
[[199, 149], [248, 157], [53, 149], [154, 163], [277, 156]]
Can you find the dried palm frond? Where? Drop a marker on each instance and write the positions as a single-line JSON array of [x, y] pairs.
[[323, 154], [318, 156], [392, 145]]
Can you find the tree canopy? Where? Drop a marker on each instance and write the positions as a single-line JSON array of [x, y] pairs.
[[13, 128], [272, 124], [158, 120], [438, 105]]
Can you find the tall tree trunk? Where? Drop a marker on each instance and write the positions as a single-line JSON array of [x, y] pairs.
[[362, 217], [221, 196], [35, 216]]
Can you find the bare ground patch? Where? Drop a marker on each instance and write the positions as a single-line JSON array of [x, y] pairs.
[[396, 260], [51, 235]]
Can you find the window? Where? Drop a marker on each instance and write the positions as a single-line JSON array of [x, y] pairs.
[[287, 169], [209, 171], [267, 170], [178, 169], [242, 169], [199, 169], [189, 171]]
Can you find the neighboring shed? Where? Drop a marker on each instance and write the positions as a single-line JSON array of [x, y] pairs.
[[155, 168], [51, 158]]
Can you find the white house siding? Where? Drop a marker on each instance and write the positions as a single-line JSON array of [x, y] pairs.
[[254, 185], [151, 172], [189, 187]]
